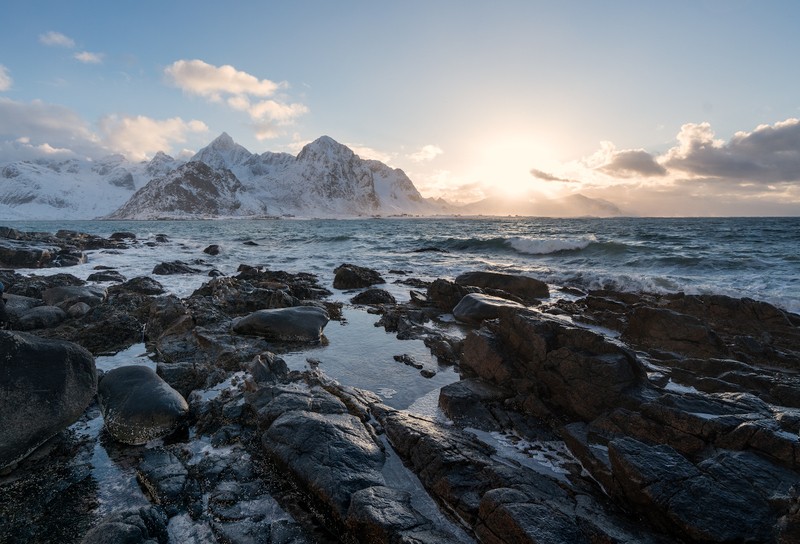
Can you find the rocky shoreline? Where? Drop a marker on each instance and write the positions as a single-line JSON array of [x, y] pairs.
[[629, 417]]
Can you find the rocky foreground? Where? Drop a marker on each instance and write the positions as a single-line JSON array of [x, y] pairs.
[[675, 418]]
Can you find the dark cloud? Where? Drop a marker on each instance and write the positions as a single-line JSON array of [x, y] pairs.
[[632, 162], [768, 154], [550, 177]]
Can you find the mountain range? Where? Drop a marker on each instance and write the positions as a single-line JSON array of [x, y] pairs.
[[326, 179]]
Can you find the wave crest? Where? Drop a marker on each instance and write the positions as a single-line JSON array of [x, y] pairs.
[[543, 246]]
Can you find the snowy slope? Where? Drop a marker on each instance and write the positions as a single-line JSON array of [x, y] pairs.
[[73, 189], [325, 179]]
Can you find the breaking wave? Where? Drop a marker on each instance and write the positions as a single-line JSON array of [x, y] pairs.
[[544, 246]]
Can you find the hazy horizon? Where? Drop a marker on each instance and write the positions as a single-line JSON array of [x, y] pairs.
[[681, 109]]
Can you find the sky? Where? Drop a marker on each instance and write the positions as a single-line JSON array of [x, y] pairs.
[[678, 108]]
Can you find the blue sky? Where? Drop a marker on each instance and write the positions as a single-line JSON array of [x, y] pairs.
[[662, 107]]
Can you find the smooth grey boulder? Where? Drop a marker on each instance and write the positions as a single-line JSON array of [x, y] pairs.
[[525, 287], [41, 317], [45, 386], [296, 324], [138, 406], [476, 307], [90, 294]]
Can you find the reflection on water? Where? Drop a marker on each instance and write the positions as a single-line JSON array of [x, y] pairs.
[[361, 355]]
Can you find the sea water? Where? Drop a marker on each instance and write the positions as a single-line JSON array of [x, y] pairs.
[[742, 257]]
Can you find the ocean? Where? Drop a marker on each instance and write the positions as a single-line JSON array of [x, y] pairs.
[[757, 258]]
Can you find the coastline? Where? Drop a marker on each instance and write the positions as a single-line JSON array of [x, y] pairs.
[[552, 383]]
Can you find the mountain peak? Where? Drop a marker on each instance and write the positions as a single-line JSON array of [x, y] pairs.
[[325, 146], [222, 152], [223, 141]]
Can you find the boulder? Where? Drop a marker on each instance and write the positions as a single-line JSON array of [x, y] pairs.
[[296, 324], [90, 294], [174, 267], [45, 386], [145, 525], [122, 236], [525, 287], [350, 276], [40, 317], [137, 405], [445, 294], [143, 285], [106, 275], [476, 307], [79, 309], [14, 254], [213, 249], [374, 296]]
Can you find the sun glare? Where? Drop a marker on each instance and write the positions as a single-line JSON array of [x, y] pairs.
[[504, 165]]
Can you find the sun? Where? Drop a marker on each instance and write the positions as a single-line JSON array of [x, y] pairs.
[[504, 164]]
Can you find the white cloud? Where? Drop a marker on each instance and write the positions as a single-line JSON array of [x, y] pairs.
[[89, 58], [240, 91], [56, 39], [768, 154], [42, 123], [370, 154], [138, 136], [203, 79], [427, 153], [624, 163], [5, 79]]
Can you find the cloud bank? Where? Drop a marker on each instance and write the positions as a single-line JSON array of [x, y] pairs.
[[752, 173], [240, 91], [32, 130]]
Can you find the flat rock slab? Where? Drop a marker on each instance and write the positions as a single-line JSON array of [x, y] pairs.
[[45, 386], [138, 406], [476, 307], [525, 287], [295, 324]]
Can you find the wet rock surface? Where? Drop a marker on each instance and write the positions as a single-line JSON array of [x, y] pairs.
[[596, 417]]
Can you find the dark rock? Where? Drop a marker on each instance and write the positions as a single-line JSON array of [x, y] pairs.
[[79, 309], [465, 402], [250, 243], [146, 525], [374, 296], [69, 295], [143, 285], [45, 386], [297, 324], [123, 236], [173, 268], [350, 276], [383, 514], [213, 249], [522, 286], [165, 479], [14, 254], [267, 368], [40, 317], [725, 499], [332, 454], [137, 405], [474, 308], [446, 294], [672, 331], [184, 377], [107, 275]]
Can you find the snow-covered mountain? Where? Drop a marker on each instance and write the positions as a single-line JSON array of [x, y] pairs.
[[325, 179], [73, 188]]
